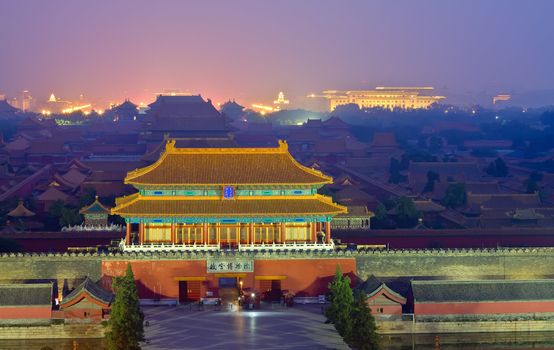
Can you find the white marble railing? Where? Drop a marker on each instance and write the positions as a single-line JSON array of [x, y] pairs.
[[167, 247], [215, 247], [287, 246]]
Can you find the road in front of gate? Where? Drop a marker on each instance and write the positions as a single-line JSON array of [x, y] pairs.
[[181, 327]]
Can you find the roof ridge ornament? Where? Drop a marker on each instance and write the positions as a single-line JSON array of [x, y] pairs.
[[170, 145]]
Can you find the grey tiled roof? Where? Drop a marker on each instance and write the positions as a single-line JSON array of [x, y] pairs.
[[484, 290], [92, 289], [25, 294], [370, 285], [373, 285]]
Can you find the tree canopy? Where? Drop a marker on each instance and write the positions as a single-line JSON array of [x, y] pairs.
[[126, 320], [364, 330], [455, 196], [406, 212], [351, 315], [432, 177], [497, 168], [341, 299]]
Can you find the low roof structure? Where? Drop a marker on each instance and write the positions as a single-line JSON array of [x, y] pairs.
[[20, 211], [53, 194], [482, 291], [36, 294], [357, 211], [373, 287], [95, 208], [88, 290]]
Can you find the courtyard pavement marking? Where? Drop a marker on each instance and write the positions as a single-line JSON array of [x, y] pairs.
[[291, 328]]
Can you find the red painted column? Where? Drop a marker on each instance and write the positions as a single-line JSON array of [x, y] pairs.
[[141, 233], [313, 234], [283, 233], [128, 235], [173, 233], [206, 233], [251, 233], [328, 231]]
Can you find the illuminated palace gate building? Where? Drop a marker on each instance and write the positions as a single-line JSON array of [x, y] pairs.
[[218, 199]]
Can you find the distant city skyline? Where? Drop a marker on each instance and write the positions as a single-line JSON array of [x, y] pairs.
[[251, 50]]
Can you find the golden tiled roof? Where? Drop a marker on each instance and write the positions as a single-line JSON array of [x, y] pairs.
[[183, 206], [226, 166]]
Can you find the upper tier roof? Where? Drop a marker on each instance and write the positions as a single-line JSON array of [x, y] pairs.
[[226, 166]]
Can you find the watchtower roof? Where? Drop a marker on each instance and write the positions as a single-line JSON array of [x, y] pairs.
[[95, 208]]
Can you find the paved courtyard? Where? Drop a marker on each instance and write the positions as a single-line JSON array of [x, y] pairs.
[[291, 328]]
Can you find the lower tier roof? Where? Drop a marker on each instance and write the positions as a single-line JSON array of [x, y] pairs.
[[143, 206]]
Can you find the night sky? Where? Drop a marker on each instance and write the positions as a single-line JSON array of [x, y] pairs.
[[250, 50]]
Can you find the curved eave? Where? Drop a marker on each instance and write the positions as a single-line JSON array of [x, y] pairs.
[[125, 208], [246, 184], [96, 202], [389, 293]]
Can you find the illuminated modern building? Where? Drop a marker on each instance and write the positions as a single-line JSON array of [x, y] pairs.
[[280, 102], [26, 101], [501, 98], [55, 105], [382, 97], [238, 198]]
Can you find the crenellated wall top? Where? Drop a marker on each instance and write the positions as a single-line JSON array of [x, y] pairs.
[[284, 255]]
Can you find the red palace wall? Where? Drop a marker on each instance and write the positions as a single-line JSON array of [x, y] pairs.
[[158, 278], [387, 309], [27, 312], [91, 314], [483, 308]]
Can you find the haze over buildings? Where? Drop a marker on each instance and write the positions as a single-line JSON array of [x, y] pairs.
[[137, 48]]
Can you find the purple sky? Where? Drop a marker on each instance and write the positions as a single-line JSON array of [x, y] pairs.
[[250, 50]]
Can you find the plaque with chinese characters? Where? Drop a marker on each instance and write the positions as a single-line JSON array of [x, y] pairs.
[[228, 192], [230, 265]]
